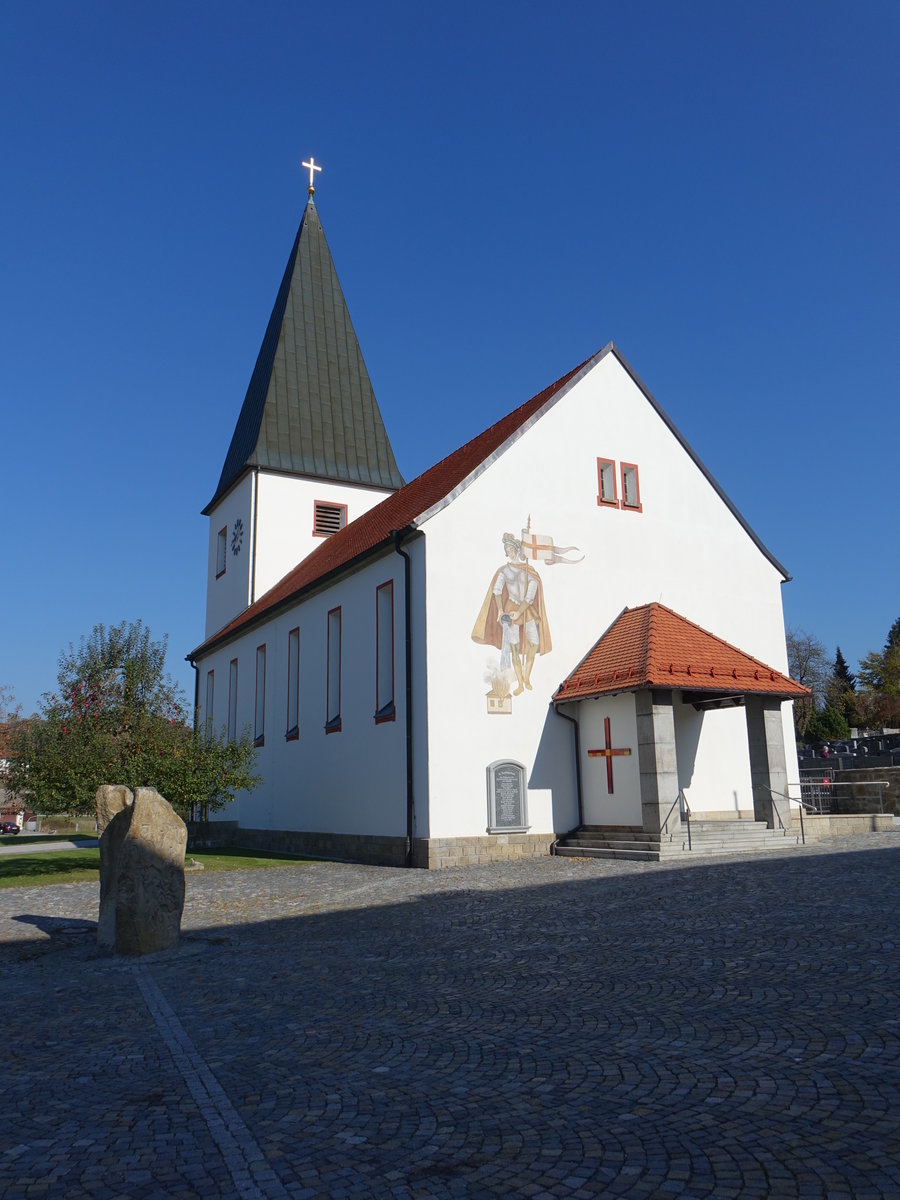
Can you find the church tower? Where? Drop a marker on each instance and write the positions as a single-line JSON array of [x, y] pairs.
[[309, 451]]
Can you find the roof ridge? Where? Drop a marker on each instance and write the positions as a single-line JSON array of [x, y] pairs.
[[397, 511], [722, 641], [643, 631]]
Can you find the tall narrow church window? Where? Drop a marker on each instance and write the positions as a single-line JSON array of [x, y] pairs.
[[333, 697], [210, 697], [259, 718], [631, 492], [232, 700], [221, 551], [328, 518], [293, 694], [606, 482], [384, 652]]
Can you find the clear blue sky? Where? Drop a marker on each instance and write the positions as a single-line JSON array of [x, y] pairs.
[[507, 187]]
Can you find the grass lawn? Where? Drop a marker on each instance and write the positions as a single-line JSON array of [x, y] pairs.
[[80, 866]]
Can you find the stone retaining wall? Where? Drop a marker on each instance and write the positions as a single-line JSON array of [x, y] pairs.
[[866, 795], [817, 826]]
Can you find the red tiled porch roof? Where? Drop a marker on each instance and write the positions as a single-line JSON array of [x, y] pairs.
[[652, 646]]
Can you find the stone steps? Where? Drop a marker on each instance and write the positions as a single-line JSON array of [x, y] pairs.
[[707, 838]]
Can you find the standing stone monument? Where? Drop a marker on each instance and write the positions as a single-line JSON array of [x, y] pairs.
[[142, 843]]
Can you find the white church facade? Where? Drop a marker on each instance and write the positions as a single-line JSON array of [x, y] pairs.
[[564, 623]]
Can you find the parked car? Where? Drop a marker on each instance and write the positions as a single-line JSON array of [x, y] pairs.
[[9, 827]]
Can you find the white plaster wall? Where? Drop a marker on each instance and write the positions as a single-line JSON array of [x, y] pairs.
[[230, 593], [685, 549], [284, 530], [623, 807], [353, 781], [713, 759]]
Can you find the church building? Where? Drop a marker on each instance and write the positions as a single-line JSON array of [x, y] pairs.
[[564, 624]]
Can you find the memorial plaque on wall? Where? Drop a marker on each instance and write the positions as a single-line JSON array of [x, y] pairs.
[[507, 807]]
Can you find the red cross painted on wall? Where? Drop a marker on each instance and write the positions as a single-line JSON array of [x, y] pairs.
[[607, 752]]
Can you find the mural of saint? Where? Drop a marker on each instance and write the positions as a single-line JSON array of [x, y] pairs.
[[513, 617]]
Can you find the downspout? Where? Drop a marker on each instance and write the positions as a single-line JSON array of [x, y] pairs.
[[559, 712], [407, 604], [196, 702]]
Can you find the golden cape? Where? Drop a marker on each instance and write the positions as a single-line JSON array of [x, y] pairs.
[[488, 629]]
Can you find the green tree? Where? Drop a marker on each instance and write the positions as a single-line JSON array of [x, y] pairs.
[[117, 717], [879, 677], [826, 723], [841, 691]]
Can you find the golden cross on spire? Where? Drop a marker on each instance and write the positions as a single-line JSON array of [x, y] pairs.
[[312, 167]]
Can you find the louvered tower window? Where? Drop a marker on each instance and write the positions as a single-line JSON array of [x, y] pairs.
[[328, 518]]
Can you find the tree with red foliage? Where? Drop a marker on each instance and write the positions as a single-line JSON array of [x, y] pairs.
[[117, 717]]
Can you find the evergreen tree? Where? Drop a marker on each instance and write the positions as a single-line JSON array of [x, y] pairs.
[[842, 672], [827, 723], [841, 691]]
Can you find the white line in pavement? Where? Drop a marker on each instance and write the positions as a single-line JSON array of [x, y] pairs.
[[12, 846], [242, 1155]]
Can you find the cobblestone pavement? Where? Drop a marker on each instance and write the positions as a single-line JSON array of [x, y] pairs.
[[547, 1029]]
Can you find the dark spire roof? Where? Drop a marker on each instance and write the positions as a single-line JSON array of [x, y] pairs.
[[310, 408]]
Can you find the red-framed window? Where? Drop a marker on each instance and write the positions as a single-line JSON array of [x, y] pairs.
[[232, 699], [328, 518], [259, 708], [333, 687], [221, 552], [293, 688], [385, 709], [631, 488], [606, 482]]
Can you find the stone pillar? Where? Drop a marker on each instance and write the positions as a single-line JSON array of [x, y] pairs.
[[768, 764], [657, 760]]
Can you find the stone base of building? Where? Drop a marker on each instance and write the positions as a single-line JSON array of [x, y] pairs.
[[471, 851], [429, 853], [347, 847]]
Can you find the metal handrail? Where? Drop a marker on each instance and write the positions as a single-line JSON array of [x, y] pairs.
[[800, 802], [864, 783], [684, 814], [685, 811], [665, 824]]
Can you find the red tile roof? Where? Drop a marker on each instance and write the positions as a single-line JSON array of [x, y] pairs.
[[396, 512], [652, 646]]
